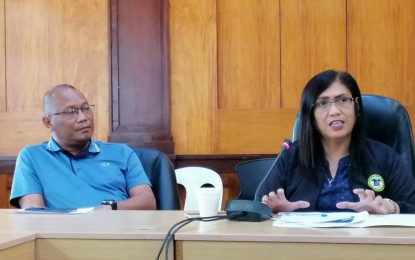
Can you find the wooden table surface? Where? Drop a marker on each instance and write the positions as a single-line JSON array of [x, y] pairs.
[[139, 235]]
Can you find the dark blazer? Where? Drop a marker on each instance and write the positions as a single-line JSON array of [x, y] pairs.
[[398, 181]]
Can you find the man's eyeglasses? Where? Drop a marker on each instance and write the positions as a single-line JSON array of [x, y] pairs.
[[73, 112], [341, 102]]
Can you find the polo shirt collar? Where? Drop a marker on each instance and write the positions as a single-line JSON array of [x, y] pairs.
[[53, 146]]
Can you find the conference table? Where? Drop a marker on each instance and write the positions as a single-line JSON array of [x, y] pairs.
[[93, 235], [140, 234]]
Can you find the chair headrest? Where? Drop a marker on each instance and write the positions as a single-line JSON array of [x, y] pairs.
[[386, 120]]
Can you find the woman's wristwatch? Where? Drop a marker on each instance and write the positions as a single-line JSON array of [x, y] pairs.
[[395, 206], [112, 203]]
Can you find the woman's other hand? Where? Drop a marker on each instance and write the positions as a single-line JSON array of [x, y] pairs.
[[370, 203]]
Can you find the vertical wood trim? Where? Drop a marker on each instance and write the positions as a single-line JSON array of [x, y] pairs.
[[140, 81], [165, 66], [3, 94], [115, 99]]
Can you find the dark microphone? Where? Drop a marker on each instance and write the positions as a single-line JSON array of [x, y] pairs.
[[284, 147], [254, 211]]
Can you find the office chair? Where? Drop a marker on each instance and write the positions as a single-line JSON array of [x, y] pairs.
[[161, 174], [387, 121], [250, 174], [193, 178]]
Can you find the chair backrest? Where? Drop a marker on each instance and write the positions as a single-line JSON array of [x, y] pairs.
[[193, 178], [250, 174], [387, 121], [160, 172]]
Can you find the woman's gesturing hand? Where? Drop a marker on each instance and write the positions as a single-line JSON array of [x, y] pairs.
[[278, 203]]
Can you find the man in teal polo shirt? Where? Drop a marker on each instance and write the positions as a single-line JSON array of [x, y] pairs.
[[73, 171]]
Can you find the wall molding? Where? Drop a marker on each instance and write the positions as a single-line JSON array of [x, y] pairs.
[[221, 163]]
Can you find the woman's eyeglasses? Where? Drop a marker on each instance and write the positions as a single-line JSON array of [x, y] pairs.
[[341, 102]]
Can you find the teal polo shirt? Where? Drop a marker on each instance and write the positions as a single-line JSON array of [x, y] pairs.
[[104, 171]]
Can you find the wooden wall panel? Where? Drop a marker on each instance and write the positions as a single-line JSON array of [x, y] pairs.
[[313, 39], [19, 129], [237, 67], [381, 36], [306, 36], [5, 186], [48, 43], [254, 130], [232, 63], [193, 74], [248, 54]]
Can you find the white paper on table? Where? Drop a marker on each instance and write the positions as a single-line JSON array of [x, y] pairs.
[[320, 219], [361, 219], [68, 211]]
